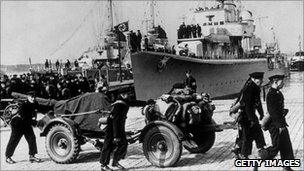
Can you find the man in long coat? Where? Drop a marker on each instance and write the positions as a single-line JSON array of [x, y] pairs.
[[249, 122], [277, 124], [115, 140]]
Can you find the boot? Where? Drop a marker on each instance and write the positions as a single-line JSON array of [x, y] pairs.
[[34, 159], [105, 168], [9, 160], [236, 152], [117, 165]]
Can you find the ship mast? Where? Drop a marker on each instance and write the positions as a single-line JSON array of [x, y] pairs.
[[111, 14], [275, 40], [152, 13], [300, 47]]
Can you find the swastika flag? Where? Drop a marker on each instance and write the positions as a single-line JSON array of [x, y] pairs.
[[122, 26]]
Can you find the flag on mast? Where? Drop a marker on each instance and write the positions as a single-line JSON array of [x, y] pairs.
[[123, 27]]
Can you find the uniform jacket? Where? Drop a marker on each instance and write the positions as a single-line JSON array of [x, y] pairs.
[[27, 111], [251, 101], [191, 82], [275, 107], [119, 115]]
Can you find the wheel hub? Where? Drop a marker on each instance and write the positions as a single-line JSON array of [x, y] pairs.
[[62, 143], [162, 146]]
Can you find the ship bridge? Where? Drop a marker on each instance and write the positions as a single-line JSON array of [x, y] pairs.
[[226, 31]]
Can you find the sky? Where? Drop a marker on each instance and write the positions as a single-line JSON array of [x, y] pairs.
[[64, 29]]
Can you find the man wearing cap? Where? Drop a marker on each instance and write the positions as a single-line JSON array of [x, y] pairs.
[[249, 123], [115, 139], [277, 124], [190, 81], [21, 124]]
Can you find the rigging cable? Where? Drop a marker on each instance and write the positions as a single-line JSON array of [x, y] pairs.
[[74, 32]]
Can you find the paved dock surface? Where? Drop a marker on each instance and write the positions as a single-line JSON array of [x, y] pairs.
[[219, 157]]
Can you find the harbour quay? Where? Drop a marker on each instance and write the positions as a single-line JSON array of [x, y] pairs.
[[219, 157]]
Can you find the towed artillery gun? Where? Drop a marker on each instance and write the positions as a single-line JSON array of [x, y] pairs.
[[176, 121], [170, 125], [70, 123]]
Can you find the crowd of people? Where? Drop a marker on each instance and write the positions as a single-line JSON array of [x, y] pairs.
[[53, 86], [189, 31]]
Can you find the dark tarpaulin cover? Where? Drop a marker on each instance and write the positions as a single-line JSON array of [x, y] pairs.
[[84, 103]]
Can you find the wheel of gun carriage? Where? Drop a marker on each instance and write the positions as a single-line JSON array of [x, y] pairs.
[[61, 145], [9, 112], [200, 141], [161, 146]]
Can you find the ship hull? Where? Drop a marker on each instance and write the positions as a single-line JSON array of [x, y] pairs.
[[297, 66], [219, 78]]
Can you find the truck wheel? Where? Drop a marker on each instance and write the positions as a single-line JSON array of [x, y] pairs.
[[161, 146], [200, 143], [61, 145]]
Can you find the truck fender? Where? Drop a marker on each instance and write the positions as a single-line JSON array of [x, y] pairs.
[[68, 122], [167, 124]]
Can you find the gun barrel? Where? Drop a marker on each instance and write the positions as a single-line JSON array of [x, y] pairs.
[[41, 101]]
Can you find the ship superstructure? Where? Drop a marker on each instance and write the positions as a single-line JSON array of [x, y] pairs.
[[225, 31], [297, 61]]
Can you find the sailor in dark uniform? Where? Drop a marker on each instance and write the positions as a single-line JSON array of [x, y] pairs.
[[115, 139], [21, 124], [249, 122], [190, 81], [277, 124], [199, 30]]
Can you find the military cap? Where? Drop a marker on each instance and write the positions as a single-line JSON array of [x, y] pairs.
[[277, 76], [257, 75], [31, 93]]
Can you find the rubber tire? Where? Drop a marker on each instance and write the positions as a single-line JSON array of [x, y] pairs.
[[170, 138], [204, 141], [73, 152], [7, 114]]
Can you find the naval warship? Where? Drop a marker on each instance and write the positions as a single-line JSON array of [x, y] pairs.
[[297, 61], [220, 58]]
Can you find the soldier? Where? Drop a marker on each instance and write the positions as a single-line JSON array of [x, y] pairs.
[[115, 139], [277, 124], [138, 37], [188, 31], [76, 64], [133, 41], [190, 81], [199, 30], [57, 64], [250, 127], [183, 30], [146, 42], [67, 64], [21, 124], [193, 30], [46, 64]]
